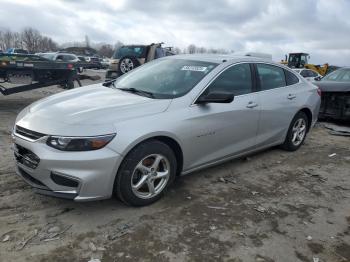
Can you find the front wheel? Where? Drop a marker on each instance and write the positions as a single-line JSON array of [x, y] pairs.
[[145, 173], [297, 132]]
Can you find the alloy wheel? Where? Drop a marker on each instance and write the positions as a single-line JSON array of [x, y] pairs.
[[298, 131], [150, 176], [126, 65]]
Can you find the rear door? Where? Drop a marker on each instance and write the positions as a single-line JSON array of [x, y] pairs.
[[279, 93], [222, 130]]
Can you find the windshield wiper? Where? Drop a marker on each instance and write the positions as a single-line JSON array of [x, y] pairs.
[[137, 91], [109, 83]]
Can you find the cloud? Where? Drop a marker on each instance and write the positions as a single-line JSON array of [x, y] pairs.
[[319, 27]]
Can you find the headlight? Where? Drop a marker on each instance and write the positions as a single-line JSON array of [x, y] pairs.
[[79, 143]]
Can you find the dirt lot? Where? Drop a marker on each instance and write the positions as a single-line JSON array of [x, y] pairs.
[[272, 206]]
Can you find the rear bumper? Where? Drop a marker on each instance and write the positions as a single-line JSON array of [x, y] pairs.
[[81, 176]]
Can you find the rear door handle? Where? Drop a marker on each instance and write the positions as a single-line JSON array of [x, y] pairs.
[[291, 96], [252, 104]]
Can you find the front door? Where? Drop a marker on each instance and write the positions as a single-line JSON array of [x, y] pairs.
[[223, 130]]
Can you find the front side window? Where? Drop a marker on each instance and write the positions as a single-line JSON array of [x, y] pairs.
[[270, 76], [236, 80], [166, 78]]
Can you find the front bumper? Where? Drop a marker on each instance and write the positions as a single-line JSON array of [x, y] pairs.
[[82, 176]]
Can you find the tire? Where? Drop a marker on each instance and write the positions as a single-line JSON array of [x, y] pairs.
[[135, 175], [297, 132], [127, 64]]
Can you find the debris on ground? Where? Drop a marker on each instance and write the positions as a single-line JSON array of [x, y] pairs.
[[309, 238], [219, 208], [6, 238], [227, 180], [94, 260], [25, 242], [261, 209], [121, 231], [212, 228], [338, 130], [92, 246], [332, 155], [54, 229]]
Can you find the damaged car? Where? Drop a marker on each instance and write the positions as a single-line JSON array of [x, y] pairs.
[[335, 89], [175, 115]]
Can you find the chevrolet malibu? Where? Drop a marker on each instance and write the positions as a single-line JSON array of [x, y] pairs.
[[131, 137]]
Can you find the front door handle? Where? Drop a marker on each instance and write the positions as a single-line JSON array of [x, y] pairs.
[[291, 96], [252, 104]]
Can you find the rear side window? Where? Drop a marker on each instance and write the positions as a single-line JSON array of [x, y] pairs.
[[134, 51], [236, 80], [312, 73], [304, 73], [270, 76], [291, 78]]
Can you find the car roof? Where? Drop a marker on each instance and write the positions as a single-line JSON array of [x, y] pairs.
[[214, 58]]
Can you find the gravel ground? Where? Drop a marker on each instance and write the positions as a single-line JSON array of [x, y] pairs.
[[271, 206]]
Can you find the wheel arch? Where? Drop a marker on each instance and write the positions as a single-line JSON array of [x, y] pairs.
[[166, 139], [308, 113]]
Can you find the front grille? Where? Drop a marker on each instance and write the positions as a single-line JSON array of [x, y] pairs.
[[26, 157], [31, 179], [28, 133]]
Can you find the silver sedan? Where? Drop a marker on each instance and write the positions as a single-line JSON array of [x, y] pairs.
[[131, 137]]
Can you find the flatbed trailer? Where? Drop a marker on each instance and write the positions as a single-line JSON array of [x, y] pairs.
[[21, 72]]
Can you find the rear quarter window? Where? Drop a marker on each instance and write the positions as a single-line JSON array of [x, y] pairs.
[[291, 78]]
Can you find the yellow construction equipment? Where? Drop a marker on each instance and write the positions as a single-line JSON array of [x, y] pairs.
[[300, 60]]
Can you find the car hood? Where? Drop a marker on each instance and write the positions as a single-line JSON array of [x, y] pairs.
[[91, 110], [332, 86]]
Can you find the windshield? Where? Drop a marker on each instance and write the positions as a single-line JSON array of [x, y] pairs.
[[166, 78], [341, 75]]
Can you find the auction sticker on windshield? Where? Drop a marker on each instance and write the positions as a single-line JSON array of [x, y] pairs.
[[194, 68]]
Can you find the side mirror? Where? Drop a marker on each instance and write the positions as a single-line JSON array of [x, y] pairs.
[[318, 78], [215, 97]]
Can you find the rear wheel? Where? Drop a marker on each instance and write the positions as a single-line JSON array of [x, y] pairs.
[[145, 173], [297, 132]]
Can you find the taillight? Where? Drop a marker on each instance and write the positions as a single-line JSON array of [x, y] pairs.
[[319, 91], [70, 66]]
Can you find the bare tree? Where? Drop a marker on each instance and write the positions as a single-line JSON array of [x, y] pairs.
[[118, 45], [191, 49], [31, 39], [87, 41], [106, 50], [8, 39], [201, 50], [177, 50]]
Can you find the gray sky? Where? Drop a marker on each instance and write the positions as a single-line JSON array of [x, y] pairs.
[[319, 27]]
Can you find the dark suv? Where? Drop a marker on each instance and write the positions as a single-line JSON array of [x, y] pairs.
[[129, 57]]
